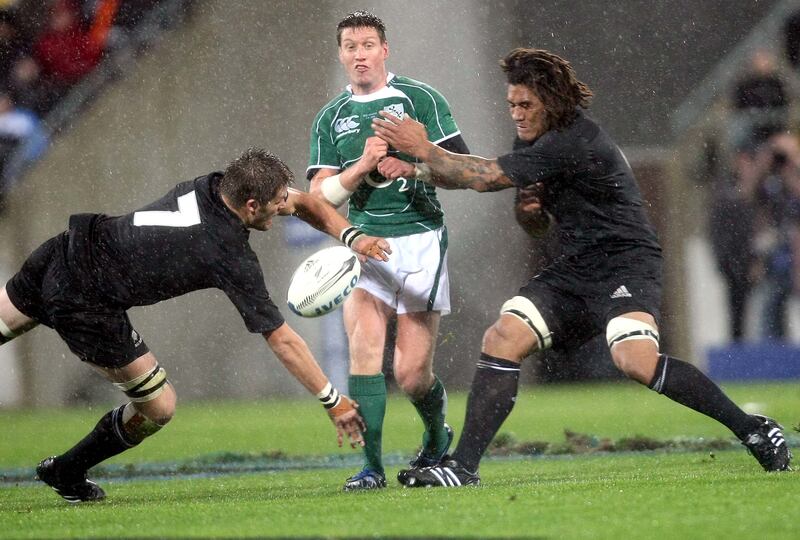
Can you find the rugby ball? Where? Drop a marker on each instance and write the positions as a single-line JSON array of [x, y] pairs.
[[323, 281]]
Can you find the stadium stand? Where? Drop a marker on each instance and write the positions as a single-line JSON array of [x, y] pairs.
[[55, 56], [737, 138]]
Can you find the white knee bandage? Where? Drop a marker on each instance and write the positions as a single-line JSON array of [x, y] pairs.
[[145, 387], [623, 329], [523, 309], [6, 334]]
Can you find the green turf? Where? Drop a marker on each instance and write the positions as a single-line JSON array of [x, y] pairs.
[[648, 495], [299, 427]]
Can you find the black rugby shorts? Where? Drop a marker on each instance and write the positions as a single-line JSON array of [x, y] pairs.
[[96, 331], [577, 305]]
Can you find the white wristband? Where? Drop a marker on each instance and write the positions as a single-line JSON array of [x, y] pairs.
[[325, 391], [333, 190], [349, 235]]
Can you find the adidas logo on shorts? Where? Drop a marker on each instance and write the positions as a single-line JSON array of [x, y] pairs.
[[621, 292]]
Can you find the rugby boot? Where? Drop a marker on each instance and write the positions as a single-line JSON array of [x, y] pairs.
[[365, 479], [74, 488], [768, 445], [449, 473], [422, 460]]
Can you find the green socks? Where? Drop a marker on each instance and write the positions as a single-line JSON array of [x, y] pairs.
[[432, 409], [370, 393]]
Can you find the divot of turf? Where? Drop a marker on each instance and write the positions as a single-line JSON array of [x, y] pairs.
[[505, 445]]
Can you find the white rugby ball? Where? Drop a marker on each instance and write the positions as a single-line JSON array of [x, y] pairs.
[[323, 281]]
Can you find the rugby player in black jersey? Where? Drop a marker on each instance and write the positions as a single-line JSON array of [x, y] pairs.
[[82, 281], [567, 170]]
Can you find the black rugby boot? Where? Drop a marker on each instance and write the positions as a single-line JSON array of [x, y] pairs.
[[74, 488], [768, 445]]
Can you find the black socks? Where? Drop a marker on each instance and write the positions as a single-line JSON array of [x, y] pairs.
[[107, 439], [687, 385], [491, 398]]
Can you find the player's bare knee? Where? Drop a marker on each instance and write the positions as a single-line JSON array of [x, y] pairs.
[[634, 347], [161, 409], [494, 337], [13, 323], [414, 381]]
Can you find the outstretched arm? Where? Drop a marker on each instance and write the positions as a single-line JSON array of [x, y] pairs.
[[325, 218], [295, 355], [441, 168]]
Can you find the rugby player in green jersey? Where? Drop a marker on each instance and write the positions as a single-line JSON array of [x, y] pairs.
[[349, 164]]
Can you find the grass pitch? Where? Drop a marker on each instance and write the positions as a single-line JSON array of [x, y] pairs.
[[703, 494]]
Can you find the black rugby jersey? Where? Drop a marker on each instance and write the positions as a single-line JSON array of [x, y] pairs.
[[185, 241], [588, 187]]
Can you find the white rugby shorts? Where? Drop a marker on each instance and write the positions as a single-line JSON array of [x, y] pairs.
[[415, 276]]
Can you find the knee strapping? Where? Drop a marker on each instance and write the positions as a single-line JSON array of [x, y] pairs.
[[133, 426], [6, 334], [623, 329], [145, 387], [523, 309]]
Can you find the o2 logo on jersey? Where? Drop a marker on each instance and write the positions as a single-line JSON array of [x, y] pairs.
[[346, 126], [376, 180]]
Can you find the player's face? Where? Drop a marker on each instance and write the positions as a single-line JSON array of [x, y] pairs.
[[527, 111], [363, 56], [262, 214]]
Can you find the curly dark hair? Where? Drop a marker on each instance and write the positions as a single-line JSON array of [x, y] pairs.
[[256, 174], [552, 79], [361, 19]]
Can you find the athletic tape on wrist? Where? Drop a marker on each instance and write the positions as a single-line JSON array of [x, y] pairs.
[[325, 391], [333, 190], [349, 235], [331, 398]]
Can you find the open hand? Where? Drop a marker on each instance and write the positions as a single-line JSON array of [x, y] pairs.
[[348, 422], [371, 247], [406, 135]]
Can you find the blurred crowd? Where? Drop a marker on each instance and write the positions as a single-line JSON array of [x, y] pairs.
[[46, 47], [755, 215]]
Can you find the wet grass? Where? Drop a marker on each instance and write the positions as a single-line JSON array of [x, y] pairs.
[[602, 463]]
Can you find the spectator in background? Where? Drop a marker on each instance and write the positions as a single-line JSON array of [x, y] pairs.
[[66, 50], [27, 87], [11, 43], [22, 140], [732, 224], [778, 238], [791, 36], [760, 101]]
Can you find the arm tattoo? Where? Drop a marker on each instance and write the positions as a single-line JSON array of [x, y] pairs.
[[457, 171]]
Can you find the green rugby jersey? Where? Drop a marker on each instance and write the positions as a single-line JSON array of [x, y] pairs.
[[340, 130]]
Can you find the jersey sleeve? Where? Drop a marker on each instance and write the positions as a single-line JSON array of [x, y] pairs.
[[433, 111], [322, 153], [538, 162], [243, 283]]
